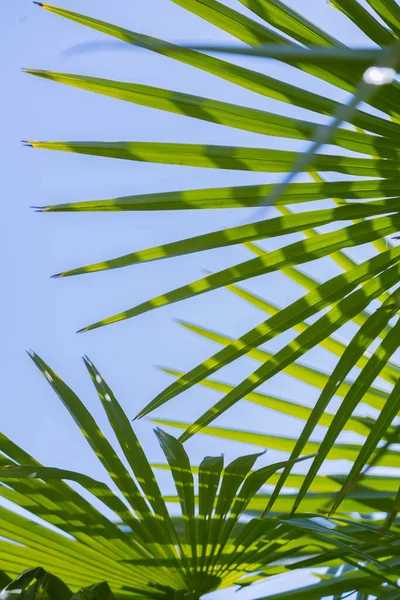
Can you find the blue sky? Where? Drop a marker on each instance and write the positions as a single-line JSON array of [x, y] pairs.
[[43, 314]]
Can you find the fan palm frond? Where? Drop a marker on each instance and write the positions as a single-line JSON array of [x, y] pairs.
[[362, 151]]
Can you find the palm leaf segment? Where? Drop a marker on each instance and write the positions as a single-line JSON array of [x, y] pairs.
[[369, 151], [144, 552]]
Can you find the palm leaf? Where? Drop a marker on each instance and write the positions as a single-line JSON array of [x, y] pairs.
[[159, 559], [359, 343], [361, 143], [245, 233], [257, 82], [317, 299], [314, 377], [284, 443]]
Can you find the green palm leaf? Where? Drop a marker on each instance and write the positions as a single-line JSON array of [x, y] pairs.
[[159, 559], [297, 253], [238, 197], [360, 342], [319, 298], [229, 157], [245, 233], [285, 444], [362, 145], [257, 82]]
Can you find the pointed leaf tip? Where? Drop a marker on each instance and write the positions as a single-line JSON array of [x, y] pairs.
[[87, 360], [40, 209], [181, 322]]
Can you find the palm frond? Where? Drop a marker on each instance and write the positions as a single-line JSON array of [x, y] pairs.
[[145, 552], [153, 556], [359, 146]]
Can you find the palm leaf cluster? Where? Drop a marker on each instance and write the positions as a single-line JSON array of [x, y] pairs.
[[359, 149], [332, 303], [144, 552]]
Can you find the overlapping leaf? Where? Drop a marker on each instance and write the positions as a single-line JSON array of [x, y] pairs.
[[363, 144], [159, 559], [213, 550]]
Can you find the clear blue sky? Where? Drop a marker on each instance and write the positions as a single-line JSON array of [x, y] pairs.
[[43, 314]]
